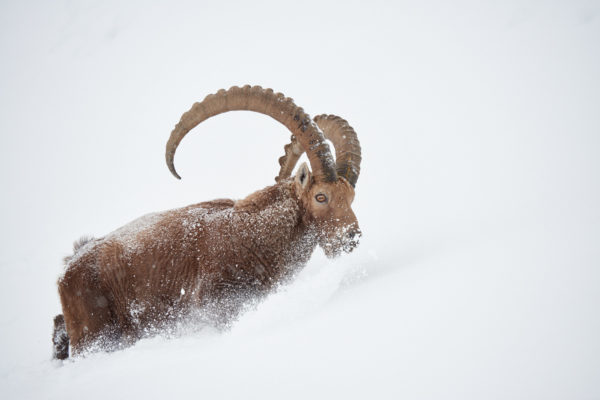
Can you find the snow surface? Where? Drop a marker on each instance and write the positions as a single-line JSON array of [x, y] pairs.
[[478, 274]]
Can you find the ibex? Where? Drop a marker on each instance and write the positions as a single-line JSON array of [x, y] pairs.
[[214, 256]]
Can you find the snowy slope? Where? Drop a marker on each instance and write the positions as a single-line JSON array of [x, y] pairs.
[[478, 273]]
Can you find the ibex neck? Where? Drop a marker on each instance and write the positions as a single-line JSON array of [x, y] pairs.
[[278, 212]]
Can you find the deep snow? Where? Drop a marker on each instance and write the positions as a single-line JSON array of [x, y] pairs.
[[478, 272]]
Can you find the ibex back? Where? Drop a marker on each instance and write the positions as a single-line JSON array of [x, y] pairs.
[[214, 256]]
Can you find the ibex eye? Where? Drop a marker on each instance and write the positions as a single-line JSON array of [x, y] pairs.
[[321, 198]]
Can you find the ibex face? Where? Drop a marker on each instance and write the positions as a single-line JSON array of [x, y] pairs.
[[328, 209]]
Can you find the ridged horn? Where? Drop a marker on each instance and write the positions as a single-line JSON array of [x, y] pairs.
[[263, 101], [288, 161], [347, 147], [345, 141]]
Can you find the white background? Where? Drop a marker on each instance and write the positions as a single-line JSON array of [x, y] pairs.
[[478, 274]]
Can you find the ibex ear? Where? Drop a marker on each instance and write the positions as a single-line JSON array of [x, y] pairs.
[[303, 176]]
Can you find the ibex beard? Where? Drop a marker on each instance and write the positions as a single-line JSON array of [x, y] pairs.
[[213, 257]]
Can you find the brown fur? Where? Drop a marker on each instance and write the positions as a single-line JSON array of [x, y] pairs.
[[212, 256]]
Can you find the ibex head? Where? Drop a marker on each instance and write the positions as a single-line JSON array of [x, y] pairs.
[[328, 202], [328, 210], [326, 193]]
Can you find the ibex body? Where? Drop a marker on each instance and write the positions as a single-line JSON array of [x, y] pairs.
[[216, 255]]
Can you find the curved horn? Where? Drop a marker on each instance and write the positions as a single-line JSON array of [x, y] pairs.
[[288, 161], [347, 146], [264, 101], [345, 141]]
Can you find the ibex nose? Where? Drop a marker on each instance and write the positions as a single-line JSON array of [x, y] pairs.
[[354, 234], [352, 238]]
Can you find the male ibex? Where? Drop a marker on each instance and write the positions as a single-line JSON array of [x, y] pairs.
[[214, 256]]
